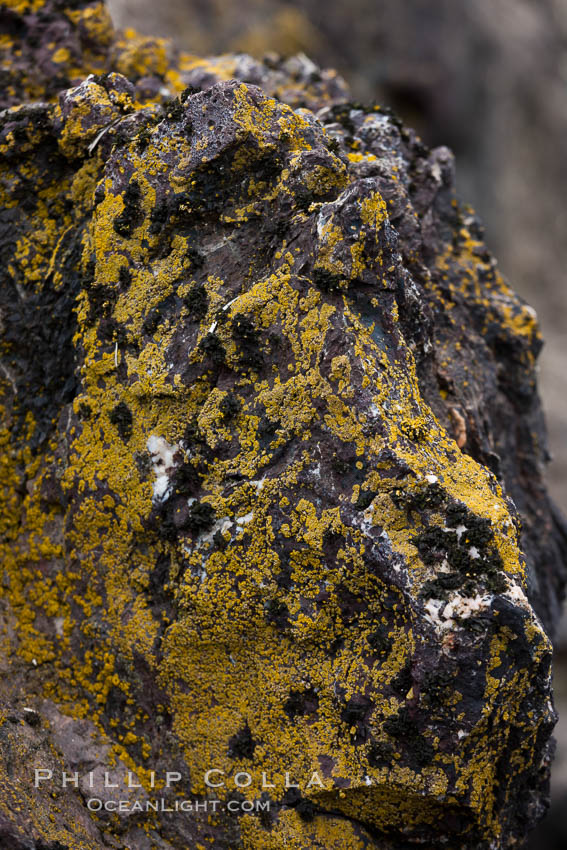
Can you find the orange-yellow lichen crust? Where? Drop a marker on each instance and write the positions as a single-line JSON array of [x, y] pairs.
[[237, 535]]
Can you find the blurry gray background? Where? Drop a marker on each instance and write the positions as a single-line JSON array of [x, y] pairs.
[[488, 78]]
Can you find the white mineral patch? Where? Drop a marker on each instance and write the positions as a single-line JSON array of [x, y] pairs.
[[244, 520], [442, 614], [226, 306], [222, 524], [464, 607], [460, 530], [436, 172], [432, 608], [516, 593], [322, 220], [163, 465], [374, 411]]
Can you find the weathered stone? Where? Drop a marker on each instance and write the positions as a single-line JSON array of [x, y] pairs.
[[483, 77], [266, 404]]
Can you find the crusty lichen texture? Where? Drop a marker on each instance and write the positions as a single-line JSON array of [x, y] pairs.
[[266, 400]]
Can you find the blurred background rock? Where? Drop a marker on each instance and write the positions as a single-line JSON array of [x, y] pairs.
[[488, 78]]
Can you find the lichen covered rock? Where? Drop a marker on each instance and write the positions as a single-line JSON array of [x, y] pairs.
[[272, 465]]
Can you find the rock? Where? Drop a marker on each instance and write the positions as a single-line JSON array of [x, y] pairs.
[[484, 78], [274, 518], [29, 810]]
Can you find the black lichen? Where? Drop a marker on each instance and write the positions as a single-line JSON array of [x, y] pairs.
[[201, 517], [365, 499], [229, 407], [159, 216], [213, 349], [467, 545], [247, 339], [402, 682], [404, 728], [276, 613], [173, 109], [121, 416], [380, 641], [380, 754], [300, 703], [186, 480], [242, 745], [132, 214], [197, 302], [326, 280]]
